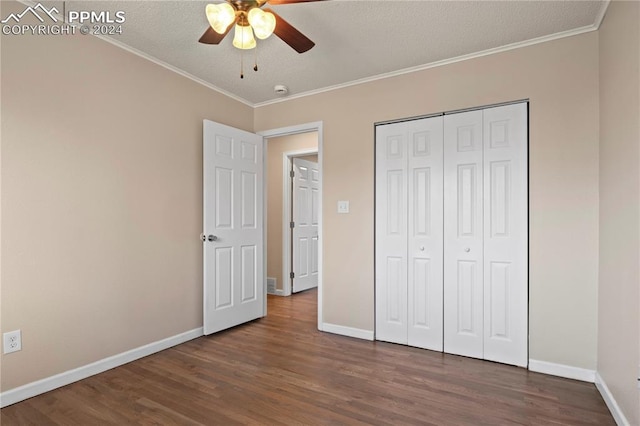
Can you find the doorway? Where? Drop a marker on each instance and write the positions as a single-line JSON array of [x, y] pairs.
[[282, 146]]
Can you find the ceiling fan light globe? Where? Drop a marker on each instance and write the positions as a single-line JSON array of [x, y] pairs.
[[220, 16], [263, 23], [243, 38]]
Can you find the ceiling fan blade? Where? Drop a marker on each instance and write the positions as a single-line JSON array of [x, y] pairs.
[[294, 38], [210, 36], [275, 2]]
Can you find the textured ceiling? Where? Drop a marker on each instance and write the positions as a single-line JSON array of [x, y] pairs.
[[354, 39]]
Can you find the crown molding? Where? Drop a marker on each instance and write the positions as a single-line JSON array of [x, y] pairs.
[[174, 69], [601, 14], [551, 37], [156, 61], [449, 61]]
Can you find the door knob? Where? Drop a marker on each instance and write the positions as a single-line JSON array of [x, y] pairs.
[[421, 248], [212, 238], [467, 249]]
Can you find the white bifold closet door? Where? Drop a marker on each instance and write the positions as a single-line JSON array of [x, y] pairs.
[[409, 232], [485, 234], [452, 233]]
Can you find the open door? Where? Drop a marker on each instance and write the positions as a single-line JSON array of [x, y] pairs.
[[306, 198], [233, 236]]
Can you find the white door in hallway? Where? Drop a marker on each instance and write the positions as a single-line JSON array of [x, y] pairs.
[[306, 198], [233, 236]]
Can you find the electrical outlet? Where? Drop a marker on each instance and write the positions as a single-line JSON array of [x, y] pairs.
[[12, 341]]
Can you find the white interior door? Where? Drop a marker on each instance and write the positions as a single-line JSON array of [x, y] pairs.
[[233, 227], [463, 234], [391, 233], [425, 203], [306, 198], [505, 237]]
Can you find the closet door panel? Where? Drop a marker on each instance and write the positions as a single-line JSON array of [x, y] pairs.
[[505, 237], [391, 233], [425, 233], [463, 234]]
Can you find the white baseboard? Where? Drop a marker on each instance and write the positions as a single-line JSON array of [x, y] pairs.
[[616, 412], [561, 370], [45, 385], [358, 333]]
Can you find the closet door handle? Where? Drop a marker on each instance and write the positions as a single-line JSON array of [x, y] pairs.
[[467, 249]]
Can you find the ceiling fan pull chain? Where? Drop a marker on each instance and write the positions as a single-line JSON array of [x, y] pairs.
[[242, 55], [241, 64], [255, 59]]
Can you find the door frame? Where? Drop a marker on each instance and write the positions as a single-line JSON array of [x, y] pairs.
[[315, 126], [287, 202]]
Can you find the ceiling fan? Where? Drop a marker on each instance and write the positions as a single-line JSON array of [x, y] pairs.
[[250, 18]]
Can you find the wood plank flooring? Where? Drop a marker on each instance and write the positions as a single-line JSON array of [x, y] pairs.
[[280, 370]]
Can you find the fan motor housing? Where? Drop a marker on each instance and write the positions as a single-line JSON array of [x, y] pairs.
[[245, 5]]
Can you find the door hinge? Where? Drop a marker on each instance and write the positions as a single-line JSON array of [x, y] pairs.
[[292, 225], [292, 173], [292, 275]]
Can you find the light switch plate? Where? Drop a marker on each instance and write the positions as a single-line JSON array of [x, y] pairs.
[[343, 207]]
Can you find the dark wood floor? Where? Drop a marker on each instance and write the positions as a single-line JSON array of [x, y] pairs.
[[281, 370]]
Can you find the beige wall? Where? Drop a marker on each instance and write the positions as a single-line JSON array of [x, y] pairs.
[[101, 171], [101, 200], [312, 158], [276, 147], [561, 79], [618, 325]]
